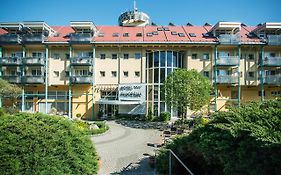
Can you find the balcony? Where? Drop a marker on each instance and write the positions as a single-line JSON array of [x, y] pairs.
[[227, 79], [227, 61], [12, 78], [271, 61], [10, 39], [33, 79], [80, 38], [10, 61], [229, 39], [33, 38], [272, 79], [36, 61], [81, 79], [81, 61], [274, 40]]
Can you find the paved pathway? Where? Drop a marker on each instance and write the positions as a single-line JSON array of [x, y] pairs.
[[123, 150]]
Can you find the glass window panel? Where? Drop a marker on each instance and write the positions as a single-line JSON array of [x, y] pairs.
[[150, 93], [150, 78], [169, 71], [156, 59], [169, 58], [150, 59], [175, 61], [162, 75], [155, 93], [162, 107], [162, 93], [156, 74], [162, 58], [52, 95]]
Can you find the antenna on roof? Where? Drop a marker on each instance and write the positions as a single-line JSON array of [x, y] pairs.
[[135, 6]]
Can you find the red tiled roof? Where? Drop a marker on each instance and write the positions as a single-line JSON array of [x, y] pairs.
[[148, 34]]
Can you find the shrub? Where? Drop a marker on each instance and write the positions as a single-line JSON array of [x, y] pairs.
[[149, 116], [43, 144], [245, 140], [165, 116]]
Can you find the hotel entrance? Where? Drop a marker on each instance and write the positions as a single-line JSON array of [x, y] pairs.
[[108, 110]]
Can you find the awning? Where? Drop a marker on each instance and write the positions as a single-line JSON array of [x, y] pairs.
[[117, 102]]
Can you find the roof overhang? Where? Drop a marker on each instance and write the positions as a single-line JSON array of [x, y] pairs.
[[268, 26], [227, 26], [38, 25], [11, 26], [86, 25]]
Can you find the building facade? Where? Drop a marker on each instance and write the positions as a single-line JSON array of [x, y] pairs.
[[83, 69]]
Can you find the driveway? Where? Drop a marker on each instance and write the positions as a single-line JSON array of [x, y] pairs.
[[124, 150]]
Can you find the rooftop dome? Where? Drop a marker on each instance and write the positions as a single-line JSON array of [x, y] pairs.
[[134, 18]]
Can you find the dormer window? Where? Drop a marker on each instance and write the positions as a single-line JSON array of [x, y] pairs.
[[125, 34], [115, 35], [139, 35], [101, 34]]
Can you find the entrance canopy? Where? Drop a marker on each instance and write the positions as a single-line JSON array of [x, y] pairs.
[[118, 102]]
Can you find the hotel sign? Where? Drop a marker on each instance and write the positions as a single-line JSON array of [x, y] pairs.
[[132, 92]]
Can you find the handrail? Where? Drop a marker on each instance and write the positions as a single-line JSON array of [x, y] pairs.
[[170, 161]]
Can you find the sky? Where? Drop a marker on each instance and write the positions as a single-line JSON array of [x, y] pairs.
[[161, 12]]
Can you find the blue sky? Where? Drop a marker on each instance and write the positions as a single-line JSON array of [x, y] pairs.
[[106, 12]]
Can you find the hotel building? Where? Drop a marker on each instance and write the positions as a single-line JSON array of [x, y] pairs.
[[89, 70]]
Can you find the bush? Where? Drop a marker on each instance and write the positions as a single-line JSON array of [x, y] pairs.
[[149, 117], [43, 144], [165, 116], [245, 140]]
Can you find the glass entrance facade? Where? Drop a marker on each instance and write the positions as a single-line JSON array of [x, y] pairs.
[[159, 65]]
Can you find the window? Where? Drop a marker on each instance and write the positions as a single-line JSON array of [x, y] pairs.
[[174, 33], [126, 56], [149, 34], [37, 54], [125, 34], [126, 73], [251, 74], [155, 33], [115, 35], [102, 73], [81, 72], [166, 29], [17, 54], [181, 35], [251, 57], [205, 56], [160, 29], [272, 54], [137, 55], [67, 56], [192, 34], [102, 56], [56, 73], [194, 56], [113, 73], [36, 72], [56, 56], [139, 35], [114, 56], [137, 74], [276, 93], [206, 73], [66, 73], [101, 34], [261, 93]]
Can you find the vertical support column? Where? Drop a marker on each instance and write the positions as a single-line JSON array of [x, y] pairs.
[[0, 74], [46, 77], [239, 83], [69, 88], [215, 75], [23, 74], [119, 66], [93, 81], [262, 74]]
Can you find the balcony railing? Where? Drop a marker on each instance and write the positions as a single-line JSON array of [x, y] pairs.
[[10, 61], [33, 38], [33, 79], [272, 79], [274, 40], [227, 79], [80, 37], [227, 61], [34, 60], [231, 39], [271, 61], [10, 39], [80, 61], [81, 79], [12, 78]]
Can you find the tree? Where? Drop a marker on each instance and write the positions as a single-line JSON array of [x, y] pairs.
[[245, 140], [8, 90], [43, 144], [187, 89]]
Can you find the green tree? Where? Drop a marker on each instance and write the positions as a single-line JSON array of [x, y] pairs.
[[8, 90], [245, 140], [43, 144], [187, 89]]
